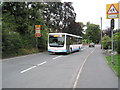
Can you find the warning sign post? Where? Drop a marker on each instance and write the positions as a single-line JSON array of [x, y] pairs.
[[112, 11]]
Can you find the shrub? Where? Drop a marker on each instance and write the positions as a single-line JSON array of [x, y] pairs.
[[106, 42], [117, 41]]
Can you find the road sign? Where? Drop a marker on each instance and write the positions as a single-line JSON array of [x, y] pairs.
[[37, 31], [112, 11]]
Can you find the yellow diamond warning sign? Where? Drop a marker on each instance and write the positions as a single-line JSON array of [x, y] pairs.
[[112, 11]]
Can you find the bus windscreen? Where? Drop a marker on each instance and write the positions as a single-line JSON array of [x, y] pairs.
[[56, 40]]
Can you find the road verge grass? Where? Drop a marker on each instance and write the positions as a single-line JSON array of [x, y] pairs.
[[116, 66]]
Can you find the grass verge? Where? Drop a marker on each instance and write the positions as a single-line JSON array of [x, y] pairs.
[[116, 66]]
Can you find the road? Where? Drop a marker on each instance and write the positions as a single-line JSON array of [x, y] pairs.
[[84, 69]]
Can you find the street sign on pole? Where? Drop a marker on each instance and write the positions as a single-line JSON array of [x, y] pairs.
[[112, 11], [37, 31]]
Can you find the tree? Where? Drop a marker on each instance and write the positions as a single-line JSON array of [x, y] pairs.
[[106, 42], [11, 39], [75, 28], [93, 32], [58, 16]]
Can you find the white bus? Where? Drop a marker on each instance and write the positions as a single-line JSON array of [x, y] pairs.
[[63, 42]]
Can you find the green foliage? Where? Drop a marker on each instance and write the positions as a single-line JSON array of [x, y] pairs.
[[18, 21], [12, 42], [11, 39], [93, 32], [84, 41], [24, 51], [106, 42], [42, 42], [117, 41]]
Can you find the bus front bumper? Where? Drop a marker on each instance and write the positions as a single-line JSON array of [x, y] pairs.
[[59, 51]]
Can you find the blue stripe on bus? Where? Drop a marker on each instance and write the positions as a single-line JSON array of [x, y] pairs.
[[59, 50], [75, 49], [64, 50]]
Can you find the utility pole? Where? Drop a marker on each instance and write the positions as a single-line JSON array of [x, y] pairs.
[[112, 27], [36, 43], [119, 28], [101, 32]]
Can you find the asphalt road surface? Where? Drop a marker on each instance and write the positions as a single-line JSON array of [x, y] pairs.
[[84, 69]]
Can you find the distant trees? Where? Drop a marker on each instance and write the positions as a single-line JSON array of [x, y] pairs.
[[92, 32]]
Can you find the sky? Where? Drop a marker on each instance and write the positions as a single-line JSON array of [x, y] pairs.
[[92, 11]]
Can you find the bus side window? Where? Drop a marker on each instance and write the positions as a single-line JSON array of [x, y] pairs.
[[69, 40]]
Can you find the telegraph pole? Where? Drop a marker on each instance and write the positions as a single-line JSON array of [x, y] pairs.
[[101, 33], [119, 15]]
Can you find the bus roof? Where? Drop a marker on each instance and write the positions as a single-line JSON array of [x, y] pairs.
[[66, 34]]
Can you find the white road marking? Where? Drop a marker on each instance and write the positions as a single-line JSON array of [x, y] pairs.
[[42, 63], [57, 57], [33, 67], [28, 69], [80, 70]]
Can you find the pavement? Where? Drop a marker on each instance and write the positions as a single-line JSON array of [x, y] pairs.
[[84, 69], [96, 72]]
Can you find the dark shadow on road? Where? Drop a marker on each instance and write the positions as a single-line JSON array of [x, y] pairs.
[[63, 53]]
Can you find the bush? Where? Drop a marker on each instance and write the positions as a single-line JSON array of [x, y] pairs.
[[117, 42], [106, 42], [11, 43], [24, 51]]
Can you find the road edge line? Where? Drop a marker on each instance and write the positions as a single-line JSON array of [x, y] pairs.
[[80, 70]]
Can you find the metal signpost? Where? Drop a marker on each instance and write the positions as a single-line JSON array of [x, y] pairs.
[[112, 27], [119, 16], [101, 33], [37, 33], [112, 12]]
